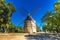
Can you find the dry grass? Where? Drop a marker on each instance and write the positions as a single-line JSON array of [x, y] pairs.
[[12, 36]]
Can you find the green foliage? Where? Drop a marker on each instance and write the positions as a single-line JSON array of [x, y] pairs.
[[20, 29], [16, 29], [57, 6], [38, 28], [52, 19], [46, 16], [6, 10]]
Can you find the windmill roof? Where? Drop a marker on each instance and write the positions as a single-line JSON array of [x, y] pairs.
[[29, 17]]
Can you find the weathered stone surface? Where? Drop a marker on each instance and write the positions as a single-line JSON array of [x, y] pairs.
[[29, 25]]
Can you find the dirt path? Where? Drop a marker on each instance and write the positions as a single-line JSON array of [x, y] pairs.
[[13, 36]]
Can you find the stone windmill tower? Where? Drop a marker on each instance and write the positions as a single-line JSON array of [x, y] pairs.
[[29, 25], [29, 22]]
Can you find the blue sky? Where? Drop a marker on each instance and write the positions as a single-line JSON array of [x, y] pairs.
[[37, 7]]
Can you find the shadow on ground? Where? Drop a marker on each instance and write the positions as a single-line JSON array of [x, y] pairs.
[[42, 37]]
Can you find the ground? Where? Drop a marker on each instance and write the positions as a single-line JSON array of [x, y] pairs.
[[12, 36], [26, 36]]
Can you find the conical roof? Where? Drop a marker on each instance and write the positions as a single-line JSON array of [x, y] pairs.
[[29, 17]]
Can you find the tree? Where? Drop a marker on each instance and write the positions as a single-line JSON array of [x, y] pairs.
[[6, 10], [49, 21], [38, 28], [53, 20], [57, 7], [46, 17], [19, 29], [57, 15]]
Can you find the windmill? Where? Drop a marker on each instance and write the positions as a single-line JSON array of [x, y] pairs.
[[29, 22]]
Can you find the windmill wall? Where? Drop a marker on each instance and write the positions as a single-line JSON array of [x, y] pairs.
[[29, 26]]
